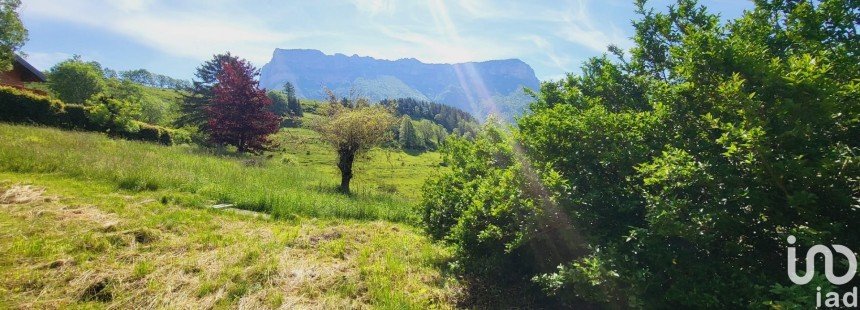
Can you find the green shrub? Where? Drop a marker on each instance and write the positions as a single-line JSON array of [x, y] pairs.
[[105, 114], [487, 207], [686, 163], [689, 162], [291, 122], [21, 106], [76, 116], [113, 115], [76, 81], [148, 132]]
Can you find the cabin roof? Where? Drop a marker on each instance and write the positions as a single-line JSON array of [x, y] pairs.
[[32, 74]]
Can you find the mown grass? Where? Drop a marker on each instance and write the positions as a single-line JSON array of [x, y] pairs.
[[72, 243], [297, 182]]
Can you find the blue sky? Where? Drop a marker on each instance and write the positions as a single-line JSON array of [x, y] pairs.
[[173, 37]]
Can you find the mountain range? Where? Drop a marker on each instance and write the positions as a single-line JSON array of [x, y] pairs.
[[480, 88]]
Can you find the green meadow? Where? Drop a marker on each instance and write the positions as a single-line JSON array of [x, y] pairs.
[[90, 221], [297, 182]]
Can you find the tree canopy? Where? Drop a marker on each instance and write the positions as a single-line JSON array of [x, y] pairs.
[[199, 94], [353, 127], [407, 136], [144, 77], [293, 107], [685, 164], [13, 35], [76, 81], [239, 113], [285, 104]]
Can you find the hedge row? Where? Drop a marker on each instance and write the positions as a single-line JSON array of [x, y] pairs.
[[21, 106]]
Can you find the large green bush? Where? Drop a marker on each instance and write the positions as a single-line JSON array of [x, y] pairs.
[[489, 205], [76, 116], [76, 81], [686, 163], [111, 114], [102, 114], [691, 161]]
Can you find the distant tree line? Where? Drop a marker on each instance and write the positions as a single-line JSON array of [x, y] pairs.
[[454, 120], [146, 78]]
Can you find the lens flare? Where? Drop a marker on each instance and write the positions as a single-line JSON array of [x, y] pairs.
[[556, 239]]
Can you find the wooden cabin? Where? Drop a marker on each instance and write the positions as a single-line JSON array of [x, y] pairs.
[[22, 72]]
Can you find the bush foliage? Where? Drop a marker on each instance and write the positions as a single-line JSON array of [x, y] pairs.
[[489, 205], [76, 81], [684, 165], [102, 114]]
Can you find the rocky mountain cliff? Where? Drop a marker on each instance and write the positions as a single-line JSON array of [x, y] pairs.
[[476, 87]]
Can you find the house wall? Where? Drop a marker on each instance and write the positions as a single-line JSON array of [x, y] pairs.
[[12, 77]]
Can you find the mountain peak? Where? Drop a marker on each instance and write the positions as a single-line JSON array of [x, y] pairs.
[[309, 70]]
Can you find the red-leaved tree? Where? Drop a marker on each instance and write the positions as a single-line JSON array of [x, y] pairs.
[[239, 113]]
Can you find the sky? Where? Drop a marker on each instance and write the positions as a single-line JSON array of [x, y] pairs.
[[174, 37]]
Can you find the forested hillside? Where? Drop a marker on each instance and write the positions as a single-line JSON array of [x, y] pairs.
[[454, 120]]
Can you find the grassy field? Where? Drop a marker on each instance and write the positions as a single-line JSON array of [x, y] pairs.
[[384, 171], [300, 181], [87, 221]]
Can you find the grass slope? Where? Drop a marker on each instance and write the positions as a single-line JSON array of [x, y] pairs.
[[383, 171], [300, 182], [75, 244], [86, 221]]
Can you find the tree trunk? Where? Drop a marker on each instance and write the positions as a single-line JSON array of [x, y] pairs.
[[345, 159], [241, 146]]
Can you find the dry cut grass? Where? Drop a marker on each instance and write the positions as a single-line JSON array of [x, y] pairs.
[[68, 243]]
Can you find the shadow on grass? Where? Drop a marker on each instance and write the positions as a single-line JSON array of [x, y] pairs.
[[493, 294], [357, 193], [506, 288], [412, 152]]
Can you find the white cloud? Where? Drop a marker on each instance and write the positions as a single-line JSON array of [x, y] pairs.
[[375, 7], [435, 38], [200, 37], [578, 27], [572, 20], [197, 34], [130, 5], [518, 11], [550, 35]]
